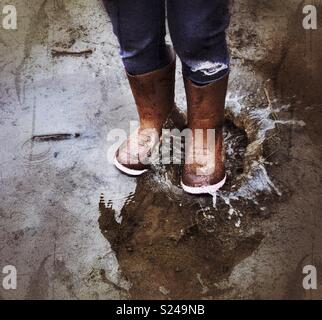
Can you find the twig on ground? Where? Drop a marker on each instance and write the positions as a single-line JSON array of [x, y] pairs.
[[55, 137], [65, 52]]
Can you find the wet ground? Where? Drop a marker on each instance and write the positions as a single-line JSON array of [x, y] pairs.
[[76, 228]]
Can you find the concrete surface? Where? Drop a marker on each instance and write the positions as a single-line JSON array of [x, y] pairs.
[[50, 191]]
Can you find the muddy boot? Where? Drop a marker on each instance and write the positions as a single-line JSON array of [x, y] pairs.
[[154, 97], [204, 169]]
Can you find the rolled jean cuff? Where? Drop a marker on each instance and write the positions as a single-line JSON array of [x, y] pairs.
[[147, 61]]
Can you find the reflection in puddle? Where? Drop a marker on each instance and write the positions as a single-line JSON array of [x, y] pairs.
[[168, 249]]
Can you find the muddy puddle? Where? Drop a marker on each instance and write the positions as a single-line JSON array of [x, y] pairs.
[[171, 245], [171, 249]]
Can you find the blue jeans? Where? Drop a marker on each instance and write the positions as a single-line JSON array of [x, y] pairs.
[[197, 29]]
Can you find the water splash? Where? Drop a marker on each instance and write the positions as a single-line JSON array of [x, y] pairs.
[[249, 126], [258, 122]]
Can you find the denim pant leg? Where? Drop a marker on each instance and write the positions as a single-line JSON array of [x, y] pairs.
[[140, 28], [197, 29]]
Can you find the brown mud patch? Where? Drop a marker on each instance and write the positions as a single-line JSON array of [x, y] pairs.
[[173, 250]]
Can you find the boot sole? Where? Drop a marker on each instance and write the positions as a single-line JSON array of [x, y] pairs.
[[205, 189], [128, 171]]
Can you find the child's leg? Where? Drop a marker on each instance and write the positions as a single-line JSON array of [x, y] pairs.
[[140, 28], [197, 29], [150, 65]]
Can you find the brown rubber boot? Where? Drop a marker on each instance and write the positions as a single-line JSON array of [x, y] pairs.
[[154, 97], [204, 169]]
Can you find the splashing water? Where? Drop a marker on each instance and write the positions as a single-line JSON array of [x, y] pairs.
[[253, 180]]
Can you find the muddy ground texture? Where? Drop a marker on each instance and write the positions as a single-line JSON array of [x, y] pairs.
[[77, 228]]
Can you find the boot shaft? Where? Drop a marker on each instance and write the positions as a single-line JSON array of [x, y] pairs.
[[206, 104], [153, 93]]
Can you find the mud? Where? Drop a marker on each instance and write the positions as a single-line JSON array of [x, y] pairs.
[[171, 245], [173, 251], [172, 242]]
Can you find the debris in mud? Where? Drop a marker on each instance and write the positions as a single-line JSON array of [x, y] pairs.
[[68, 37], [164, 291], [64, 52], [55, 137]]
